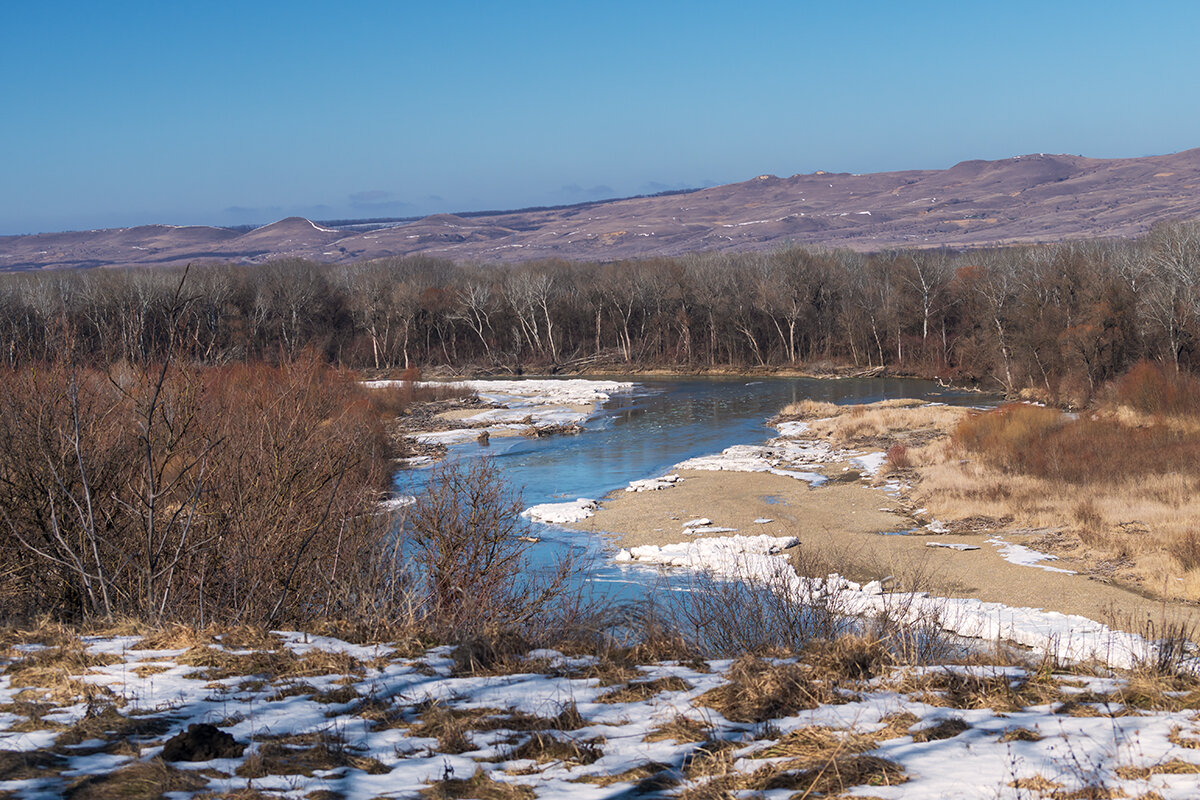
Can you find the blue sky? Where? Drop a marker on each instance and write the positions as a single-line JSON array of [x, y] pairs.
[[123, 113]]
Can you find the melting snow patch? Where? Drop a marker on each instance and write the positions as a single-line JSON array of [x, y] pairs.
[[870, 463], [952, 546], [561, 513], [754, 458], [1025, 557], [763, 520], [653, 484], [792, 428]]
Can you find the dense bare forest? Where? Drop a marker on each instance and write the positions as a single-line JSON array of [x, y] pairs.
[[1061, 319]]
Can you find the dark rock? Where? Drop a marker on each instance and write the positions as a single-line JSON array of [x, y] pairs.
[[201, 743]]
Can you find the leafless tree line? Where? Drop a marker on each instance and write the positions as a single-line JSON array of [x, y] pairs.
[[1072, 314]]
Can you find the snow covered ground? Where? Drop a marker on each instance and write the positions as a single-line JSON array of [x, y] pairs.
[[318, 715]]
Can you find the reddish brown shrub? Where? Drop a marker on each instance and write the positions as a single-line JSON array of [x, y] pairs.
[[395, 399], [1154, 389], [897, 457], [1046, 443], [233, 494]]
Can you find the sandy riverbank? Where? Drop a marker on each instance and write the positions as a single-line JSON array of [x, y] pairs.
[[839, 524]]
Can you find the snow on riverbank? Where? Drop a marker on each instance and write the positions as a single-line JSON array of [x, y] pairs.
[[1026, 557], [754, 458], [521, 404], [561, 513], [753, 558]]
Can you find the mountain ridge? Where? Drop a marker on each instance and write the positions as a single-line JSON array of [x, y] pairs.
[[1027, 198]]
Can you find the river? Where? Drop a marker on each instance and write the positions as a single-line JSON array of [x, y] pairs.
[[643, 434]]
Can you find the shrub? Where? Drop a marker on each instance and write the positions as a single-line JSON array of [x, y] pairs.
[[463, 535], [240, 494], [897, 457], [1045, 443], [395, 398], [1153, 389]]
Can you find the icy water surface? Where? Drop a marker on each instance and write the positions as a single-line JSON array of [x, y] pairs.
[[643, 434]]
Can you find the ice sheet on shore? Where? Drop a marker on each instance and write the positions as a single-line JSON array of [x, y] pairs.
[[869, 464], [518, 404], [653, 484], [769, 458], [561, 513], [1026, 557], [753, 558]]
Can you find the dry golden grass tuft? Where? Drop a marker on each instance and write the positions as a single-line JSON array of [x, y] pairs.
[[480, 786], [952, 688], [218, 663], [1172, 767], [21, 765], [1020, 735], [814, 742], [680, 729], [945, 729], [140, 780], [305, 754], [450, 726], [51, 674], [810, 409], [758, 690], [637, 691], [826, 774], [910, 423], [120, 733], [649, 778], [544, 747], [1035, 783]]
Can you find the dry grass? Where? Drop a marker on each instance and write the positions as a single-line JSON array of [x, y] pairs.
[[909, 423], [945, 729], [450, 726], [1020, 735], [1035, 783], [21, 765], [636, 691], [305, 754], [680, 729], [544, 747], [119, 732], [1122, 497], [758, 691], [814, 742], [141, 780], [823, 775], [479, 786], [954, 689], [220, 664], [648, 777], [50, 674], [1172, 767]]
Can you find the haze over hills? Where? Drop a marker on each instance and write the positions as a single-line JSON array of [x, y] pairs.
[[1032, 198]]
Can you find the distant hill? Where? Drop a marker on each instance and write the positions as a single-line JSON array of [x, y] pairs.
[[1032, 198]]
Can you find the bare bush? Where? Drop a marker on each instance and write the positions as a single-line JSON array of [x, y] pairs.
[[463, 537], [236, 494]]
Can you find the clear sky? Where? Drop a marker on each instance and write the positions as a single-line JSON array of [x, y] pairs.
[[122, 113]]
